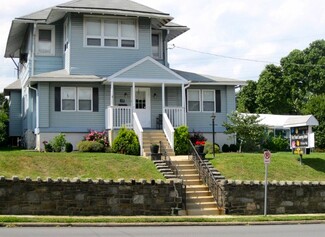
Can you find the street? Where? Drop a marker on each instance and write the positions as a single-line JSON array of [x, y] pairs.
[[317, 230]]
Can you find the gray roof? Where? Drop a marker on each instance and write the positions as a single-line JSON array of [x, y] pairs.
[[16, 85], [201, 79], [103, 7]]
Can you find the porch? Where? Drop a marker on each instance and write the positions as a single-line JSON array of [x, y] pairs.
[[125, 116]]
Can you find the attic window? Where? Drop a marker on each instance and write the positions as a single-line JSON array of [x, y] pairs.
[[45, 40], [110, 32]]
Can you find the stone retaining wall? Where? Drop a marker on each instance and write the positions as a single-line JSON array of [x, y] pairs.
[[247, 197], [76, 197]]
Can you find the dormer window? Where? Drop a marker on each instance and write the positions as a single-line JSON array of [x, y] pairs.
[[45, 40], [111, 32]]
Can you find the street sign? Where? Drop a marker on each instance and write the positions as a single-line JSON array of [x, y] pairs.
[[267, 157]]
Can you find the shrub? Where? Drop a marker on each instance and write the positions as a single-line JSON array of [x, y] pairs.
[[90, 146], [208, 149], [181, 140], [233, 148], [100, 137], [47, 146], [68, 147], [225, 148], [126, 142], [58, 142]]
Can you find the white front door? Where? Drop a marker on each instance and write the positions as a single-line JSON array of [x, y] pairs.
[[142, 106]]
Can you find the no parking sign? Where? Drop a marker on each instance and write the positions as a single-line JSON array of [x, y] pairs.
[[267, 157]]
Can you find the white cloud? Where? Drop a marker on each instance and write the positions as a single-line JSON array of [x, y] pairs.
[[255, 29]]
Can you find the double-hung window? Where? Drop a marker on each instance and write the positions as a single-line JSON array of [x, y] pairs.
[[84, 99], [76, 98], [68, 95], [156, 43], [193, 100], [45, 40], [111, 32], [200, 100]]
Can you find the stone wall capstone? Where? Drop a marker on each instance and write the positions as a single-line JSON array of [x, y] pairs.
[[77, 197]]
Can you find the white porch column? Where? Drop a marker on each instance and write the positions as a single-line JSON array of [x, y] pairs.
[[133, 96], [183, 104], [163, 97], [112, 94]]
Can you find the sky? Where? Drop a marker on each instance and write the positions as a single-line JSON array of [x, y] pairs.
[[227, 38]]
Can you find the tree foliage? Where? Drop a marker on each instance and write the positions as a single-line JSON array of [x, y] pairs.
[[246, 98], [249, 133], [292, 87]]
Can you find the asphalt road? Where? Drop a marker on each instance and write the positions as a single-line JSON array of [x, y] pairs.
[[169, 231]]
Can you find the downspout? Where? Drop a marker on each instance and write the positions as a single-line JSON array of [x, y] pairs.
[[37, 109], [33, 49], [184, 101]]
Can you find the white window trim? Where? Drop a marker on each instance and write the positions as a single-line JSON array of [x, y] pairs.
[[214, 101], [160, 45], [75, 99], [46, 27], [91, 99], [102, 37]]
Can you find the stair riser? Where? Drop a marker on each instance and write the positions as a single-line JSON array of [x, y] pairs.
[[203, 213], [190, 206]]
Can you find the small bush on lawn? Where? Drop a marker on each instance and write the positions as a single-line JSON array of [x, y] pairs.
[[233, 148], [181, 143], [208, 149], [126, 143], [58, 142], [68, 147], [90, 146], [225, 148]]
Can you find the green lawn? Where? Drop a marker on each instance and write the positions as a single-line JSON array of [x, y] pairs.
[[33, 164], [284, 166]]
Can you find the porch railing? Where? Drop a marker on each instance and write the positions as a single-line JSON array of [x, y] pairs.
[[168, 130], [119, 116], [176, 115], [138, 130]]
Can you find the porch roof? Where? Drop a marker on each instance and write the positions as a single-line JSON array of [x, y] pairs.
[[64, 76], [148, 71]]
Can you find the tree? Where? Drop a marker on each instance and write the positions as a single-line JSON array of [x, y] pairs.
[[3, 127], [272, 91], [249, 133], [315, 106], [246, 98]]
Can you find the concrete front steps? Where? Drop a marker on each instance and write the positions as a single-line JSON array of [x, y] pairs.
[[154, 137], [199, 200]]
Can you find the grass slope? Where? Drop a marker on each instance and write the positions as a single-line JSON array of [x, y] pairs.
[[284, 166], [32, 164]]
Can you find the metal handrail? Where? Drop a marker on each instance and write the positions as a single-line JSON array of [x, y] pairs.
[[173, 168], [206, 175]]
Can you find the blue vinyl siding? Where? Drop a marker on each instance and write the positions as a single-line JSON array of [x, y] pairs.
[[77, 121], [201, 121], [44, 105], [105, 61], [47, 64], [15, 123]]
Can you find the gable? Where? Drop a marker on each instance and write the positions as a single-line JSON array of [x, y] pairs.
[[147, 70]]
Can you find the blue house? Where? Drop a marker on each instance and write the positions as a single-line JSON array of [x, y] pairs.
[[101, 65]]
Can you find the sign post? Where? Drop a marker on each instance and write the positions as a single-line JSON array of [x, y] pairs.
[[267, 161]]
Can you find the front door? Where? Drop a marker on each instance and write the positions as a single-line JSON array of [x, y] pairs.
[[142, 106]]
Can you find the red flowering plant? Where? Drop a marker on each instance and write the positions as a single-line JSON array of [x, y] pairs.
[[197, 138], [101, 137]]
